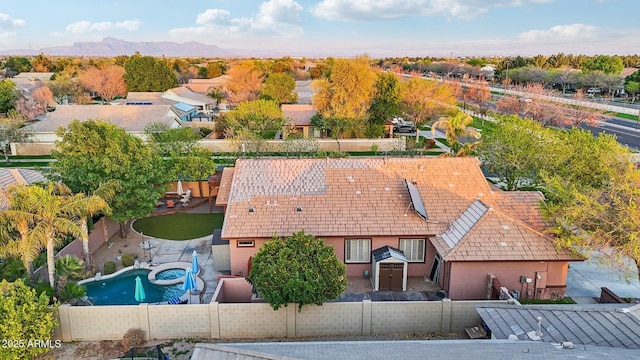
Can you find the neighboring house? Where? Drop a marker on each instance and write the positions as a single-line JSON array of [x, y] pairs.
[[204, 86], [14, 176], [183, 95], [392, 218], [185, 112], [300, 119], [27, 82], [616, 326], [132, 118]]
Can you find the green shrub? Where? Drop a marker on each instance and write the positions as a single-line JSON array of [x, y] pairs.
[[128, 259], [109, 267]]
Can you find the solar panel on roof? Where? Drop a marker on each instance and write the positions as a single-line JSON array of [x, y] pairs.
[[416, 200]]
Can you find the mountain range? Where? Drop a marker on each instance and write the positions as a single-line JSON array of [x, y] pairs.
[[110, 47]]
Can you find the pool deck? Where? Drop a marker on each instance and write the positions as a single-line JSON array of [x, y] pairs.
[[159, 251]]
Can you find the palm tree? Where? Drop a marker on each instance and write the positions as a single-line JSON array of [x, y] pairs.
[[454, 127], [55, 210], [105, 191]]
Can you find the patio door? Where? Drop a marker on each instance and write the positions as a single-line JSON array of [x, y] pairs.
[[435, 269], [391, 276]]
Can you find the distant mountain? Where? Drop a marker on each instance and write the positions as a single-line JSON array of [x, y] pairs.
[[110, 47]]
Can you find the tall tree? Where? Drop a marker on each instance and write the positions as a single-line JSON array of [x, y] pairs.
[[244, 83], [422, 99], [385, 104], [166, 141], [347, 93], [146, 73], [41, 63], [197, 165], [260, 117], [92, 152], [36, 103], [17, 64], [8, 95], [604, 63], [298, 269], [280, 88], [107, 82], [54, 210], [16, 239], [106, 192]]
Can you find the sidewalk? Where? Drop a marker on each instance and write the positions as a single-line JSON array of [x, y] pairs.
[[585, 280]]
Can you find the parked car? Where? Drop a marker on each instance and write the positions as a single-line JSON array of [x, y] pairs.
[[404, 128]]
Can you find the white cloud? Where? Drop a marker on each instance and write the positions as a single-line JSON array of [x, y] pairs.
[[275, 17], [84, 26], [366, 10], [7, 22], [564, 33]]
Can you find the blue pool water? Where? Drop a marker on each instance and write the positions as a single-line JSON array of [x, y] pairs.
[[120, 290], [170, 274]]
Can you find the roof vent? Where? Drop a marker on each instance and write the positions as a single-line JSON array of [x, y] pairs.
[[298, 208], [421, 167], [506, 227], [252, 209], [358, 192], [414, 181]]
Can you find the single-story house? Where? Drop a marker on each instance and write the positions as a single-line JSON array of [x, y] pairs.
[[183, 95], [391, 218], [204, 86], [132, 118], [300, 116]]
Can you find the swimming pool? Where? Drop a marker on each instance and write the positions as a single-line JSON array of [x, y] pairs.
[[120, 289]]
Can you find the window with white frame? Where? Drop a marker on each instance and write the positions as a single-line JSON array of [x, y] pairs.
[[246, 243], [357, 250], [413, 249]]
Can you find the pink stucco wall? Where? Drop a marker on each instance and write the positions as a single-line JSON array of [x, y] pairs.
[[468, 280], [240, 255]]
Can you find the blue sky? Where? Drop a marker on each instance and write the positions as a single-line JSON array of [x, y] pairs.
[[336, 27]]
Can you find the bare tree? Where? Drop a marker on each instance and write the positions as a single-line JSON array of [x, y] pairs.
[[107, 82], [36, 104]]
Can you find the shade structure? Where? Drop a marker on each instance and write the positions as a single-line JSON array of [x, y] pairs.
[[189, 282], [139, 293], [195, 266], [179, 188]]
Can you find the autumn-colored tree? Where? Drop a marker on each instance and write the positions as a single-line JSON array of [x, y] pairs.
[[479, 92], [348, 92], [41, 63], [422, 99], [215, 69], [244, 83], [36, 104], [108, 82]]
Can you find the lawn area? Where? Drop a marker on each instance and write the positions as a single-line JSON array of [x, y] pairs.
[[179, 226]]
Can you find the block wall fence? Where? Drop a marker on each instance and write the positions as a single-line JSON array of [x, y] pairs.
[[259, 320]]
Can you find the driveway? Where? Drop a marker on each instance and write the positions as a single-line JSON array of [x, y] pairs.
[[585, 279]]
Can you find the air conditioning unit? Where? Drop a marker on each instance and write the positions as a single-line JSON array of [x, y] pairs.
[[515, 294]]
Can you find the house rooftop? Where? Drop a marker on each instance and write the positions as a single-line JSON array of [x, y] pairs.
[[132, 118], [355, 197], [612, 325], [301, 114], [14, 176]]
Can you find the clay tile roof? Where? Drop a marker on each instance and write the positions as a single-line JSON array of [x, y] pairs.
[[129, 117], [225, 186], [349, 197], [485, 234], [301, 114]]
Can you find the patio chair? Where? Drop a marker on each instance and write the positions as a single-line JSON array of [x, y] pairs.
[[186, 197]]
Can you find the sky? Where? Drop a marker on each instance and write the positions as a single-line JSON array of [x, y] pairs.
[[336, 27]]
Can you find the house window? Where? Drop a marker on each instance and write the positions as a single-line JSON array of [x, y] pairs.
[[413, 249], [357, 250], [246, 243]]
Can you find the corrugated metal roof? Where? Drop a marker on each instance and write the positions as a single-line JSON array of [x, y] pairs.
[[613, 326]]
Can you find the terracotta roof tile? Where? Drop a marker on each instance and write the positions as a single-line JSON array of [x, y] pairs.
[[225, 186]]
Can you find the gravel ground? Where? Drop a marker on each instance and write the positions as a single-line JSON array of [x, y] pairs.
[[182, 349]]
